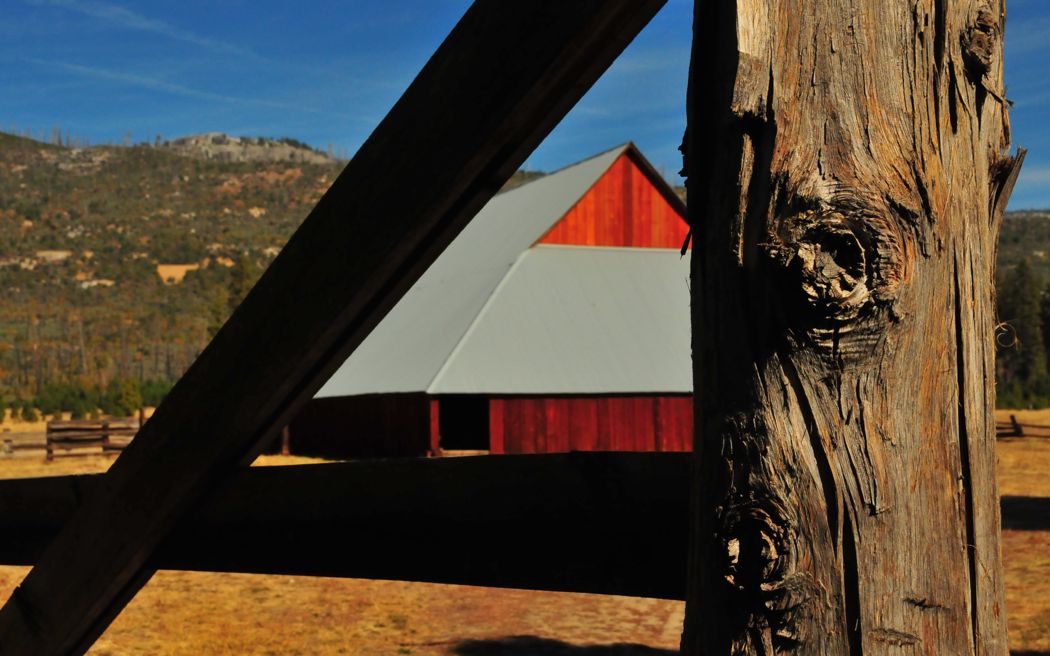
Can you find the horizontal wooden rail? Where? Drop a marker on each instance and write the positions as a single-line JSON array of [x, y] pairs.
[[22, 435], [92, 424], [1013, 428], [90, 436], [611, 523]]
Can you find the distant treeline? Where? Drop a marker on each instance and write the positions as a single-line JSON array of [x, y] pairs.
[[1022, 364], [108, 356], [120, 398]]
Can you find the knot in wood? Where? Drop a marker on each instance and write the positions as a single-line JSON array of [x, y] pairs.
[[769, 595], [831, 267], [753, 542], [979, 42]]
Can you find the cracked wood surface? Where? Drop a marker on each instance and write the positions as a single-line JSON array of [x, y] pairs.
[[506, 74], [848, 168]]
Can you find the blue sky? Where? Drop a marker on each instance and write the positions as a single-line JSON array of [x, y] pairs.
[[326, 72]]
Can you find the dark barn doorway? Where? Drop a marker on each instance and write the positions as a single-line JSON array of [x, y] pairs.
[[463, 421]]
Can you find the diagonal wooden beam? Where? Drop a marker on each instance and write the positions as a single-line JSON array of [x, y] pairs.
[[506, 74], [607, 523]]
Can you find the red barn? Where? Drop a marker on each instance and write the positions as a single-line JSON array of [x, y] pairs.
[[558, 320]]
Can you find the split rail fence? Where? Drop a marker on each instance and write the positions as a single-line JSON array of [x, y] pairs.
[[11, 442], [77, 437], [1013, 428], [86, 436]]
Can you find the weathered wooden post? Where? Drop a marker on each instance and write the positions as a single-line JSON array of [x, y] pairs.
[[847, 172], [1016, 425]]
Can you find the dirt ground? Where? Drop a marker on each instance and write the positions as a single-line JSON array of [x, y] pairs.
[[208, 613]]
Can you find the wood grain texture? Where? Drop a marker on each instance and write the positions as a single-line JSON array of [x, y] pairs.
[[625, 207], [608, 523], [506, 74], [848, 168], [591, 423]]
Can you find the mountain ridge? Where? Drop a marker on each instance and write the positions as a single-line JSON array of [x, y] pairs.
[[225, 148]]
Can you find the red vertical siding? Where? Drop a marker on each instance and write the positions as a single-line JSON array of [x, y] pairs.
[[623, 208], [674, 418], [496, 441], [591, 423], [435, 427], [582, 422]]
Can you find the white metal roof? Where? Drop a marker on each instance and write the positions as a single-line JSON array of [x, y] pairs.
[[579, 320], [407, 349]]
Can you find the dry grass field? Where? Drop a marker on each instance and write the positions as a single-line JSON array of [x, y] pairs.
[[1024, 483], [208, 613]]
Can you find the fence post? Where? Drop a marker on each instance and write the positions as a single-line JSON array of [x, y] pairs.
[[1018, 430]]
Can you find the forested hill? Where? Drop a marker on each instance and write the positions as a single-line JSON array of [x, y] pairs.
[[1023, 298], [86, 235], [1026, 236]]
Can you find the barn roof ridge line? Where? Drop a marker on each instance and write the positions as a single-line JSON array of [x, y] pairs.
[[629, 262], [549, 175], [625, 146], [436, 379]]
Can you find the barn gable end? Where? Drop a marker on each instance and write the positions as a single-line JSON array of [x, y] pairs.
[[629, 206]]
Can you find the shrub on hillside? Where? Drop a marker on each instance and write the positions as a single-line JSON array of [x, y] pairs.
[[154, 391], [123, 397]]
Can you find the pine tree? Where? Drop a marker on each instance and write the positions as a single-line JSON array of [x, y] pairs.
[[1021, 309], [122, 398]]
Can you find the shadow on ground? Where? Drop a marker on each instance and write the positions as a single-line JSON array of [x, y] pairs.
[[533, 646], [1026, 513]]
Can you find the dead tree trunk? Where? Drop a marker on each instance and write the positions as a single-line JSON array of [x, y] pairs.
[[847, 173]]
